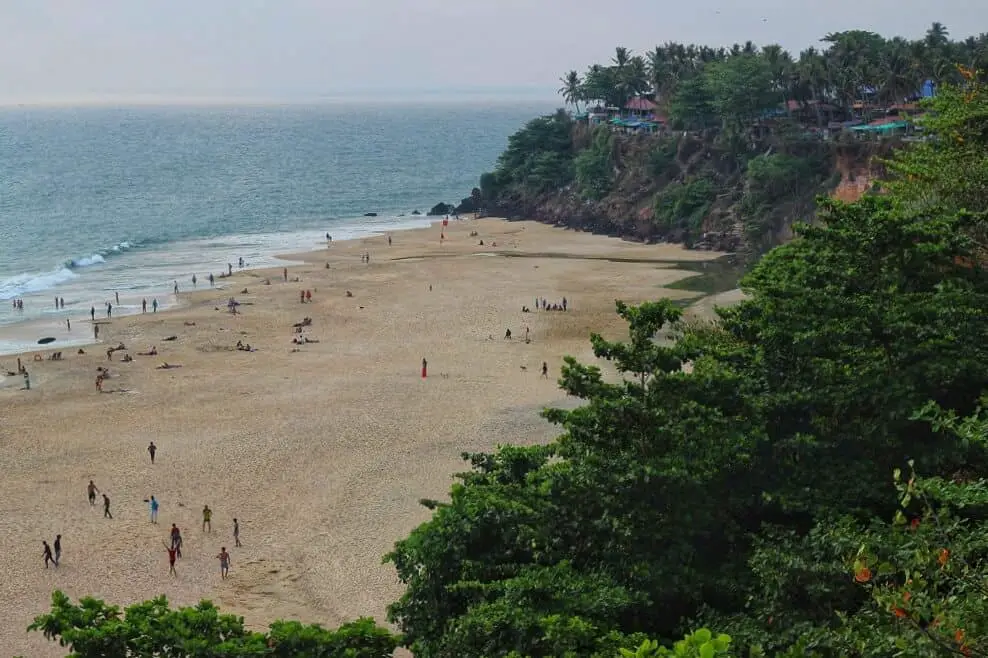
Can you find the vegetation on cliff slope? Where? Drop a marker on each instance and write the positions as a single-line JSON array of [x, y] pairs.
[[814, 486], [742, 157]]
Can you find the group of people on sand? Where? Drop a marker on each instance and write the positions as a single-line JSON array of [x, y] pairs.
[[546, 305], [53, 553], [18, 304], [59, 303]]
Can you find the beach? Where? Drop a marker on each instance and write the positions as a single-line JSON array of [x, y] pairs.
[[321, 450]]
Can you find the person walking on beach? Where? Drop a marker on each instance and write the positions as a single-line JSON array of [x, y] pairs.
[[96, 332], [172, 552], [58, 549], [153, 505], [207, 518], [152, 449], [109, 310], [176, 287], [425, 368], [284, 273], [224, 559], [176, 536], [144, 305], [211, 279], [236, 533], [154, 305], [68, 324], [91, 492], [545, 370], [117, 296], [99, 383], [106, 507], [92, 313], [47, 554], [389, 239], [193, 280]]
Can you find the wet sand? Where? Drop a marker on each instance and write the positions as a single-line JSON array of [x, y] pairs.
[[322, 453]]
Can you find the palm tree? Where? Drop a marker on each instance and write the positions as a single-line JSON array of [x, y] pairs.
[[572, 89]]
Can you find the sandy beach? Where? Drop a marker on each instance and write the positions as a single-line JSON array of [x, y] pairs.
[[322, 453]]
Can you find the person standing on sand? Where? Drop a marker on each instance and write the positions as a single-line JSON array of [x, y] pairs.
[[152, 449], [106, 507], [92, 313], [193, 280], [117, 296], [109, 310], [176, 287], [425, 368], [154, 305], [144, 305], [207, 518], [284, 273], [47, 554], [91, 492], [236, 533], [224, 559], [389, 239], [172, 552], [58, 549], [153, 505], [545, 370], [68, 324], [211, 279]]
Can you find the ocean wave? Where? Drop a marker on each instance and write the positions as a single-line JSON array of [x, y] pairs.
[[99, 257], [27, 283], [33, 282]]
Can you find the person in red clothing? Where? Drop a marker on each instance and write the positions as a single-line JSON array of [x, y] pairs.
[[171, 559]]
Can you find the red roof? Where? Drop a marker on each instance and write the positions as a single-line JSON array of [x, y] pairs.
[[640, 105]]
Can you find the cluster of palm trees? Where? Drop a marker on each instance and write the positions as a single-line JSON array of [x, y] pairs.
[[853, 65]]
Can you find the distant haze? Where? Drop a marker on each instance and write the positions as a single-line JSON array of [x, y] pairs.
[[74, 51]]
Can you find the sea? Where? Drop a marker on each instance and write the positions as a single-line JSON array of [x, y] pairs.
[[97, 202]]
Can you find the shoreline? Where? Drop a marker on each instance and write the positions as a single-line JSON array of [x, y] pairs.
[[16, 337], [321, 450]]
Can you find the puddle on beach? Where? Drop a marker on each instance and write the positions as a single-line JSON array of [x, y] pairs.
[[712, 277]]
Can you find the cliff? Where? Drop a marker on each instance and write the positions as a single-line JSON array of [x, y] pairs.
[[702, 189]]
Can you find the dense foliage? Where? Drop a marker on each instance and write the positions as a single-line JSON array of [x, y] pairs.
[[92, 629], [753, 492], [744, 79]]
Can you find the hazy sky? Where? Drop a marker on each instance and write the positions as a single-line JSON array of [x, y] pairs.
[[296, 50]]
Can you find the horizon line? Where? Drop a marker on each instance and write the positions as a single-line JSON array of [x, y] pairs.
[[336, 98]]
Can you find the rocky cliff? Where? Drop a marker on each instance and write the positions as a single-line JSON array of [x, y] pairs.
[[700, 189]]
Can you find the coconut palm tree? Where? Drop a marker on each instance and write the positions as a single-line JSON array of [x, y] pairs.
[[572, 89]]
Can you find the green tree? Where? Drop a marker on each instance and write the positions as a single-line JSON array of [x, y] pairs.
[[741, 89], [93, 629], [691, 106], [950, 170], [594, 166], [572, 89]]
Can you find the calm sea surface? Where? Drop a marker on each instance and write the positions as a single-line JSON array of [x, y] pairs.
[[100, 201]]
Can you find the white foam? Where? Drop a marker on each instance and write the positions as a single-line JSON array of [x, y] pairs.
[[24, 284]]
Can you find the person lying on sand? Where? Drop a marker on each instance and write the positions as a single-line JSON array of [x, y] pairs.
[[168, 366], [152, 351]]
